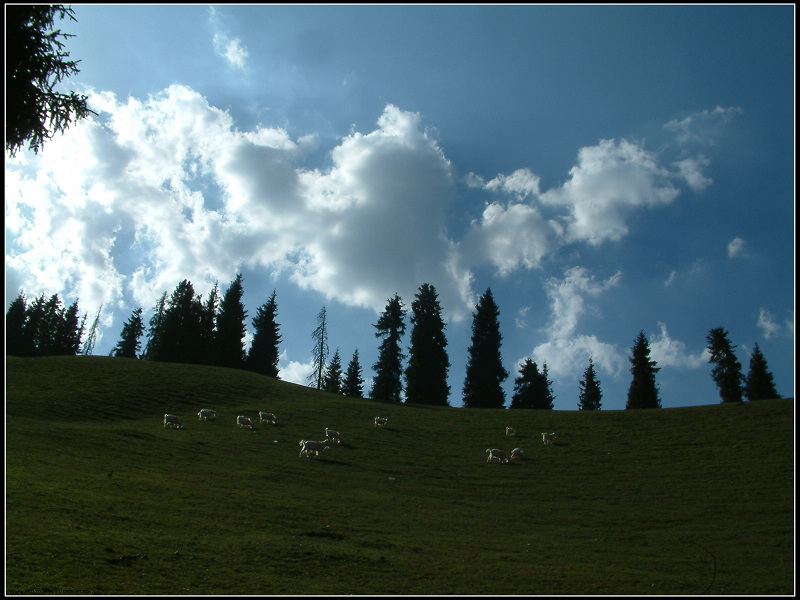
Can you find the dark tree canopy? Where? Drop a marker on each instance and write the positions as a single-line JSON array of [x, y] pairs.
[[263, 356], [643, 392], [353, 384], [35, 64], [759, 384], [332, 381], [727, 370], [387, 385], [532, 388], [132, 330], [485, 372], [153, 350], [180, 333], [231, 329], [15, 327], [43, 327], [208, 326], [426, 374], [590, 394]]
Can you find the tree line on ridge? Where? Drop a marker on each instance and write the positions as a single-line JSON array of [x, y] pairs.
[[185, 328]]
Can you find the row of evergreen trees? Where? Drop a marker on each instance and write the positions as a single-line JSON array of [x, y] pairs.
[[185, 328], [43, 327], [727, 373], [426, 373]]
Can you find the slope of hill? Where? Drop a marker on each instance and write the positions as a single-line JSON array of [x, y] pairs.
[[101, 498]]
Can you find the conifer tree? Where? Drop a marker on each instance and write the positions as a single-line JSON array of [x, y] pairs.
[[129, 344], [643, 392], [208, 326], [231, 329], [524, 385], [320, 352], [15, 327], [44, 327], [426, 374], [759, 384], [263, 356], [532, 388], [45, 337], [387, 385], [333, 375], [727, 370], [485, 372], [353, 383], [35, 323], [36, 64], [69, 331], [590, 394], [88, 345], [545, 399], [154, 348], [48, 326], [180, 327]]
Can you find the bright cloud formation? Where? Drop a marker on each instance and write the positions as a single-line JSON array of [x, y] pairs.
[[231, 50], [567, 296], [166, 188], [567, 351], [672, 353], [611, 180], [771, 328]]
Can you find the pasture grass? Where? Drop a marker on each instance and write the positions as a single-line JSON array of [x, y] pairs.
[[102, 499]]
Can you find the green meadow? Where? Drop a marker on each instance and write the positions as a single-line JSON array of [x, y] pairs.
[[102, 499]]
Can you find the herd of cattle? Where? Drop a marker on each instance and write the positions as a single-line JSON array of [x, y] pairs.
[[309, 447]]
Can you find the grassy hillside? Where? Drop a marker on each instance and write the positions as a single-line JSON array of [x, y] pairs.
[[100, 498]]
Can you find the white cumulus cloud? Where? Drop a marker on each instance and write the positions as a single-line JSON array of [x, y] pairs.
[[158, 190], [610, 181], [566, 351], [567, 298], [155, 190], [672, 353], [231, 49], [569, 357], [770, 327]]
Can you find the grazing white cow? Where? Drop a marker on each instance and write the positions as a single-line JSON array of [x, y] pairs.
[[517, 453], [497, 454], [173, 421], [309, 446], [206, 414], [547, 438], [243, 421], [268, 417], [380, 421], [510, 431], [333, 436]]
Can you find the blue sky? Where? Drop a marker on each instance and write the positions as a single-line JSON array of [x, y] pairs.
[[605, 170]]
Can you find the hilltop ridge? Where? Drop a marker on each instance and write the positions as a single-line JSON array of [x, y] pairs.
[[640, 502]]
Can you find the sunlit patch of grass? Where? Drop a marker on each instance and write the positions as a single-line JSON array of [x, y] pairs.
[[101, 499]]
